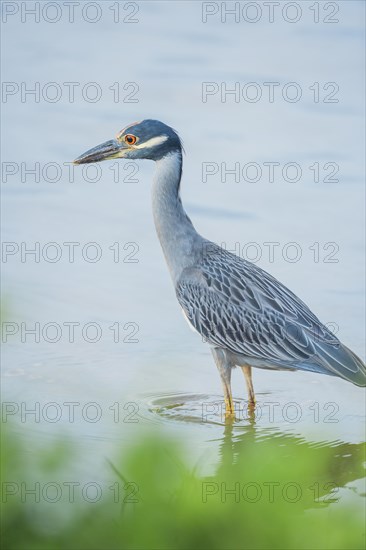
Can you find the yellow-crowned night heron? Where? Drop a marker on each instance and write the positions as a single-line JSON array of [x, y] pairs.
[[249, 318]]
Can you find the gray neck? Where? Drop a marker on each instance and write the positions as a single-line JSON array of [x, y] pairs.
[[175, 230]]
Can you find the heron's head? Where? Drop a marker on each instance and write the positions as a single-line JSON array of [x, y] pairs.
[[149, 139]]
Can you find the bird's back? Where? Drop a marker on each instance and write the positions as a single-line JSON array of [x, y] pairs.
[[239, 307]]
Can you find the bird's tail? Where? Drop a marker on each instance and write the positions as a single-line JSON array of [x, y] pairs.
[[338, 360]]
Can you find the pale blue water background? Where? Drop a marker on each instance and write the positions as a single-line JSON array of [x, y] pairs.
[[169, 53]]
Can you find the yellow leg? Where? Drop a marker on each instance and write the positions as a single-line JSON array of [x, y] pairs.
[[224, 367], [248, 379], [229, 405]]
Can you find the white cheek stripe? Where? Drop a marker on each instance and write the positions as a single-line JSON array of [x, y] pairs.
[[151, 142]]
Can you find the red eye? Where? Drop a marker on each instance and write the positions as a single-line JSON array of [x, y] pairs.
[[130, 139]]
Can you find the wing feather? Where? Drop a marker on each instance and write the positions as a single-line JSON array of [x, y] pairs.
[[238, 306]]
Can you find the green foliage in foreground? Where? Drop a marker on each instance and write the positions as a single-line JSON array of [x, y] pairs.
[[269, 492]]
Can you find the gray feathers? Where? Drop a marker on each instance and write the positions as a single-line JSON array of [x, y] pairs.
[[237, 306]]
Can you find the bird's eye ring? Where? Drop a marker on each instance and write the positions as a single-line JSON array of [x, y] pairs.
[[130, 139]]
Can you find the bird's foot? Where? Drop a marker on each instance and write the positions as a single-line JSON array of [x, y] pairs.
[[252, 403], [229, 409]]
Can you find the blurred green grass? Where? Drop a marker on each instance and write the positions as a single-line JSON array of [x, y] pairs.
[[267, 492]]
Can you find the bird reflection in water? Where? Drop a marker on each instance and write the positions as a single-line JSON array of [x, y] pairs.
[[257, 464]]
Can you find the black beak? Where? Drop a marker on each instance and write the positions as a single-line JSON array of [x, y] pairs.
[[107, 150]]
